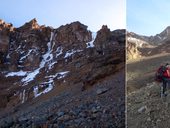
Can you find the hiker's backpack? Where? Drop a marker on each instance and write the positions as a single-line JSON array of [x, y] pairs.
[[159, 73]]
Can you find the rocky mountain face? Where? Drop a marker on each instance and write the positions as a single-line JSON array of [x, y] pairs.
[[161, 38], [5, 30], [139, 45], [134, 43], [38, 61], [153, 40]]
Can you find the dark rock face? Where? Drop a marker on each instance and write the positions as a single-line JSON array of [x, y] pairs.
[[73, 33], [103, 35], [37, 59], [107, 40], [29, 26], [5, 30]]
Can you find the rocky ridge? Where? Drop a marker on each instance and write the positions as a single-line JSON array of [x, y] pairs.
[[39, 62], [142, 46], [153, 39]]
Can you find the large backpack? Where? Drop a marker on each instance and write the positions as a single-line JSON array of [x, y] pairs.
[[159, 73]]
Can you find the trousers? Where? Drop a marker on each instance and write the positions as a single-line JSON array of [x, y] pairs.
[[165, 83]]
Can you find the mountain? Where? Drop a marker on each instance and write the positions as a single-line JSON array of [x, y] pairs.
[[153, 40], [161, 38], [142, 46], [48, 74], [134, 43]]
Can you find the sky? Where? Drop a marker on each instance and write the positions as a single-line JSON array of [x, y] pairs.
[[93, 13], [147, 17]]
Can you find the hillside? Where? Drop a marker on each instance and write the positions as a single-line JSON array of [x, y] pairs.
[[63, 77], [145, 108]]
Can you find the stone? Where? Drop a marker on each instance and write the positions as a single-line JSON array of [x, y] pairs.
[[64, 118], [94, 110], [82, 114], [142, 109], [149, 119], [100, 91], [60, 114], [22, 120]]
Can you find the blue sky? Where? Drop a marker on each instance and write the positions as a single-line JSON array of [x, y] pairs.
[[148, 17], [93, 13]]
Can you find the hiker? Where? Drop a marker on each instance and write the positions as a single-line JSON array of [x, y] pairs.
[[164, 76]]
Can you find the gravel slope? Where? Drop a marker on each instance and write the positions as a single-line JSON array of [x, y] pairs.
[[103, 105]]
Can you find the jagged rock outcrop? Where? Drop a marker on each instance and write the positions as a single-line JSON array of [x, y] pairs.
[[41, 60], [73, 33], [27, 44], [31, 25], [5, 30]]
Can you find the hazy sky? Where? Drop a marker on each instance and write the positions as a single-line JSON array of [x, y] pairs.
[[93, 13], [148, 17]]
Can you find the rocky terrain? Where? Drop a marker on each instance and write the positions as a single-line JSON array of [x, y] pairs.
[[145, 107], [63, 77]]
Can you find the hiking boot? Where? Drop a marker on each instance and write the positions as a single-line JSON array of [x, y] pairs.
[[164, 95]]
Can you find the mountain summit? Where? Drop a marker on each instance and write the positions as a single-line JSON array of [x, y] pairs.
[[30, 25]]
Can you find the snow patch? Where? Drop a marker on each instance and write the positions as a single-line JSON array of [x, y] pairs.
[[70, 53], [138, 42], [8, 56], [19, 73], [59, 75], [30, 76], [49, 83], [18, 48], [59, 51], [23, 96], [91, 43], [36, 89], [48, 56], [159, 37], [26, 55]]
